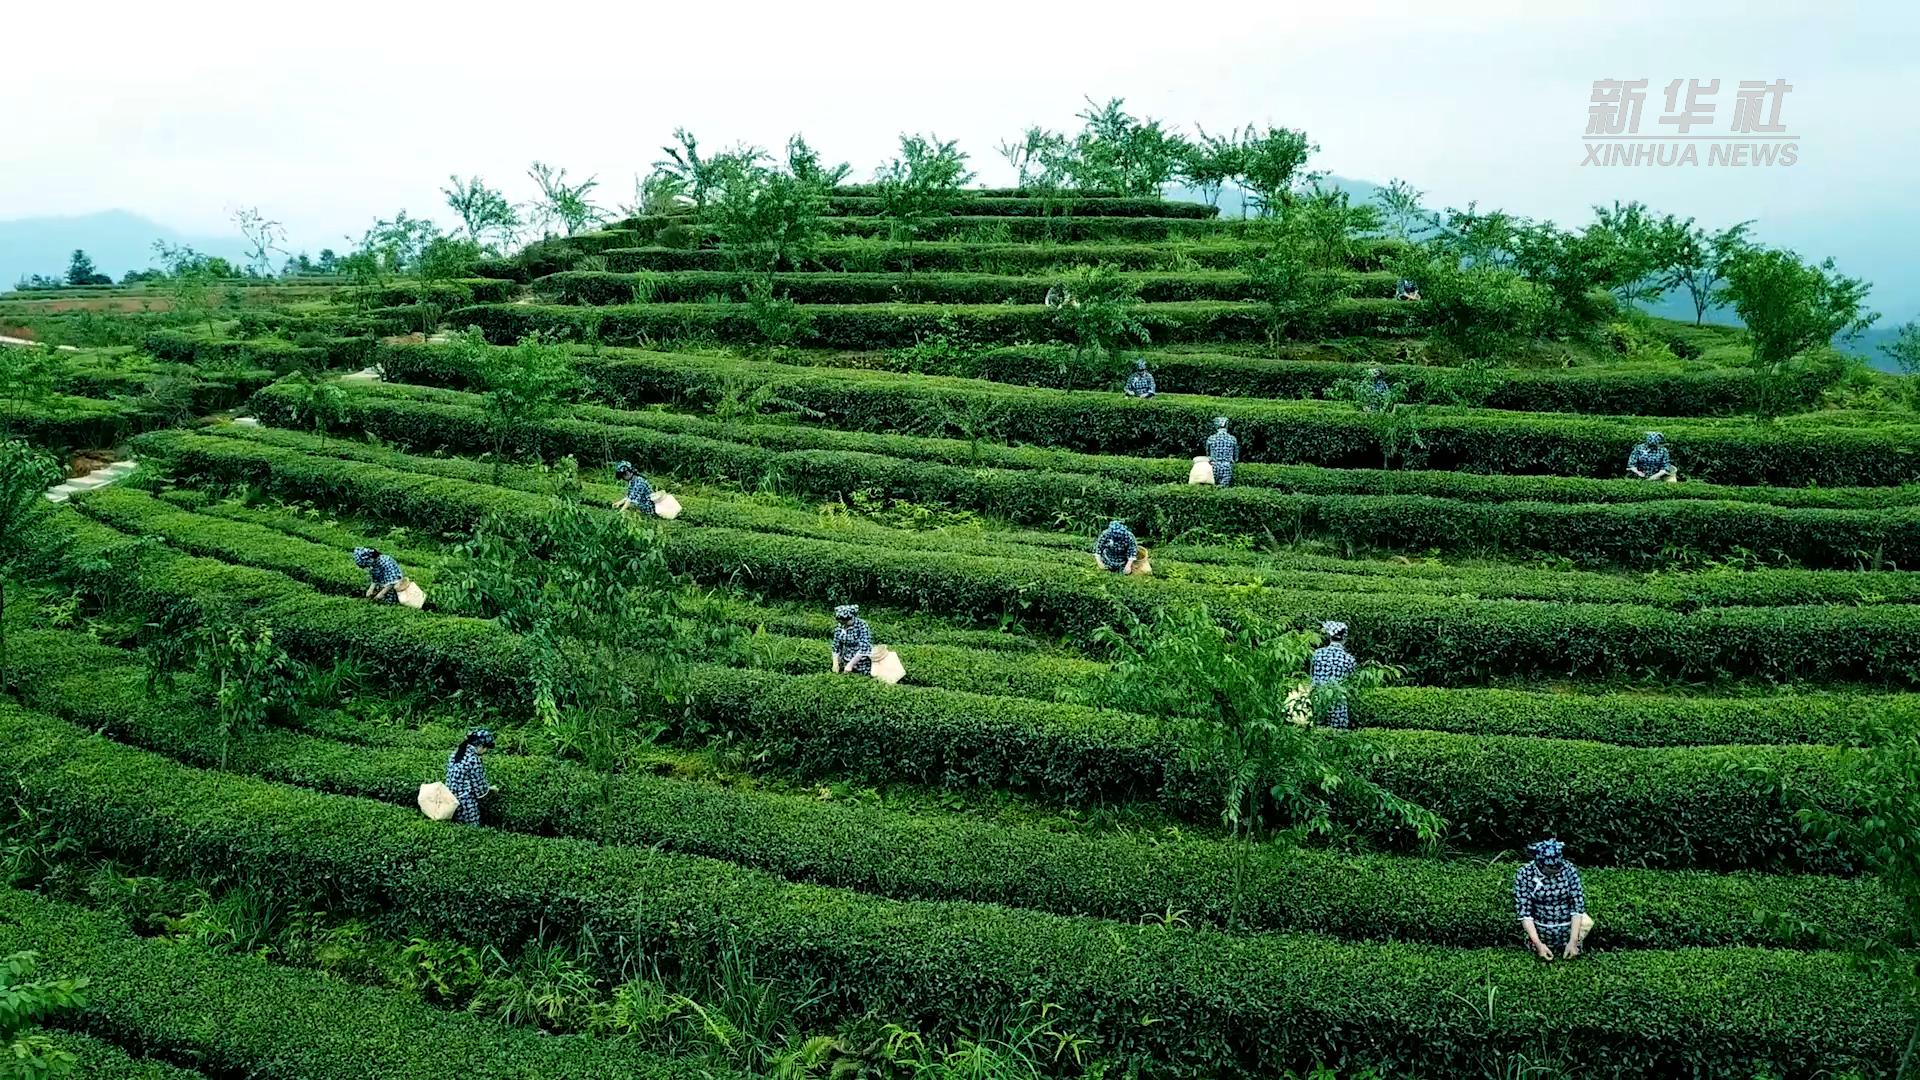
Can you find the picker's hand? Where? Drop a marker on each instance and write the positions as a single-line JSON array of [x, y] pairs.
[[1573, 949], [1540, 949]]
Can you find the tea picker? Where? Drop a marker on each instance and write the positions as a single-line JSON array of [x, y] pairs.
[[1140, 384], [458, 799], [1223, 450], [1650, 460], [1116, 550], [1550, 902], [386, 584], [639, 494], [852, 642], [1332, 663], [854, 652]]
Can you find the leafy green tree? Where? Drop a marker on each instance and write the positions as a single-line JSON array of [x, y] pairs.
[[1096, 310], [1790, 306], [921, 186], [318, 401], [613, 631], [1638, 246], [192, 282], [26, 999], [1240, 682], [769, 218], [488, 218], [1400, 206], [520, 385], [1482, 311], [701, 177], [1043, 162], [1872, 812], [1209, 162], [1295, 290], [80, 271], [254, 680], [777, 320], [25, 475], [1328, 226], [1271, 162], [564, 203], [1117, 151], [1697, 262], [445, 259], [264, 237], [27, 377], [1904, 349], [804, 165]]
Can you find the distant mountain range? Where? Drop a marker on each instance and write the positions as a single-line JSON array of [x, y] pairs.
[[116, 240]]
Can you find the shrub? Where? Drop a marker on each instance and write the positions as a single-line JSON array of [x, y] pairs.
[[1228, 1003]]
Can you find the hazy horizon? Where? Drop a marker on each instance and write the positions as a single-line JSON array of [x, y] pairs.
[[355, 111]]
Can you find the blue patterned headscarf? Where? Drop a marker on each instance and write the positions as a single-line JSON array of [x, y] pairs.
[[1117, 527], [846, 611], [1140, 363], [1220, 422], [476, 737], [1653, 438], [1547, 851], [1334, 630], [623, 467], [364, 557]]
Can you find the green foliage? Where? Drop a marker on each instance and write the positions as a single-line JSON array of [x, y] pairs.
[[254, 681], [264, 237], [1207, 163], [922, 185], [1270, 164], [1302, 274], [770, 218], [1097, 312], [25, 999], [698, 177], [1789, 306], [561, 203], [243, 1013], [489, 219], [1400, 208], [1698, 261], [25, 475], [1904, 349], [1242, 680], [777, 321], [1241, 994], [1116, 151], [1482, 312], [521, 385], [81, 272], [1640, 247], [317, 401]]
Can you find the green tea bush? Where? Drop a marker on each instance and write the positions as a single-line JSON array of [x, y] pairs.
[[1238, 1004], [237, 1015], [954, 857]]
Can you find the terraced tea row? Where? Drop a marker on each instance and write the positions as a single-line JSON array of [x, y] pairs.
[[1675, 807], [982, 662], [952, 857], [1242, 997], [1439, 639], [1594, 534]]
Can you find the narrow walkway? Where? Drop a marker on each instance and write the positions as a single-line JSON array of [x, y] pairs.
[[101, 477], [24, 341]]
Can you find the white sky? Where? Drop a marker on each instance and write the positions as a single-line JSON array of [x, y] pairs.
[[327, 115]]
